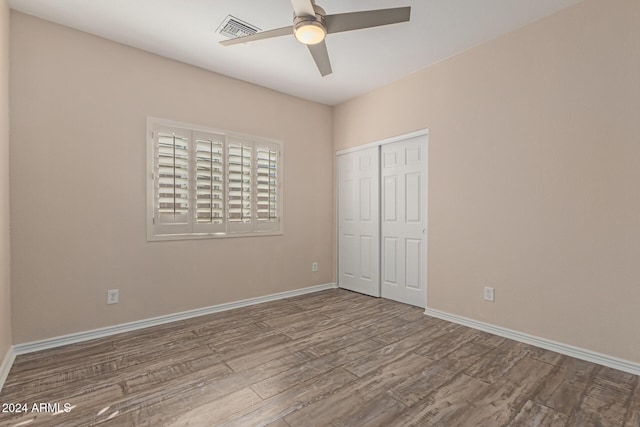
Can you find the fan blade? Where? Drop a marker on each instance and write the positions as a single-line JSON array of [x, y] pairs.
[[321, 56], [284, 31], [303, 8], [370, 18]]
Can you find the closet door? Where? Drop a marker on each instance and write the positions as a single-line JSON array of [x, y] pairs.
[[404, 221], [358, 221]]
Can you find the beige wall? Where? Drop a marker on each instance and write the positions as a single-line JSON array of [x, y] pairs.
[[534, 170], [5, 291], [79, 105]]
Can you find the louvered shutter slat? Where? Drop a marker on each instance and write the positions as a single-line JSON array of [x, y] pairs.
[[209, 178], [239, 183], [172, 183], [266, 186]]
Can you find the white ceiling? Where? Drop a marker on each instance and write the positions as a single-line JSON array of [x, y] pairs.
[[185, 30]]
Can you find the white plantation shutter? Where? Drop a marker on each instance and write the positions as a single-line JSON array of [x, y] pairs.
[[171, 180], [239, 185], [209, 182], [267, 187]]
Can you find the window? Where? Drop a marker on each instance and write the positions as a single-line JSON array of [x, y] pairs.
[[205, 183]]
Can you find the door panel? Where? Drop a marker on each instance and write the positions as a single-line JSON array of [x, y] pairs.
[[366, 257], [404, 174], [365, 200], [358, 222], [348, 264], [390, 202], [347, 200], [413, 261], [390, 260], [413, 199]]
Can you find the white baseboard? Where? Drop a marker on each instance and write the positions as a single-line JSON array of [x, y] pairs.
[[6, 364], [30, 347], [569, 350]]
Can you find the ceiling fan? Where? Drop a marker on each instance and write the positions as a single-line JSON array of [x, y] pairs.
[[311, 24]]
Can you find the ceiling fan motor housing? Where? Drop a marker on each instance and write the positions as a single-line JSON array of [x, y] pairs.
[[310, 29]]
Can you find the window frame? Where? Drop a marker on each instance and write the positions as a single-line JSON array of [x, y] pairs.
[[192, 229]]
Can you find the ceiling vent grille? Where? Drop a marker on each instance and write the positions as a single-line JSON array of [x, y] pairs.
[[233, 27]]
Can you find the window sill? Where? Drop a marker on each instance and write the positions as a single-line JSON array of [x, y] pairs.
[[198, 236]]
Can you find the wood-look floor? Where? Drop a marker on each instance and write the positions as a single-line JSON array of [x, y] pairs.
[[329, 358]]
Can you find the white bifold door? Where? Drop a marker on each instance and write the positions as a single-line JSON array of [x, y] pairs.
[[358, 221], [404, 223], [382, 221]]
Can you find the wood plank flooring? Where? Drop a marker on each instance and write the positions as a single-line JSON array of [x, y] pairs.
[[333, 358]]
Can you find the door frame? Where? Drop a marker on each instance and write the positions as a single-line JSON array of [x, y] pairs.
[[402, 137]]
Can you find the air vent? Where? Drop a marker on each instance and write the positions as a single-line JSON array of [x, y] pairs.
[[233, 27]]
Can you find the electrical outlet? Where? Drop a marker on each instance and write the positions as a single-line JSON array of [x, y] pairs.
[[314, 266], [489, 294], [113, 296]]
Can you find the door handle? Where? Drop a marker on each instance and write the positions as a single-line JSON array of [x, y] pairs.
[[424, 231]]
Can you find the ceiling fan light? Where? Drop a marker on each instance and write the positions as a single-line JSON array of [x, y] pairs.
[[310, 32]]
